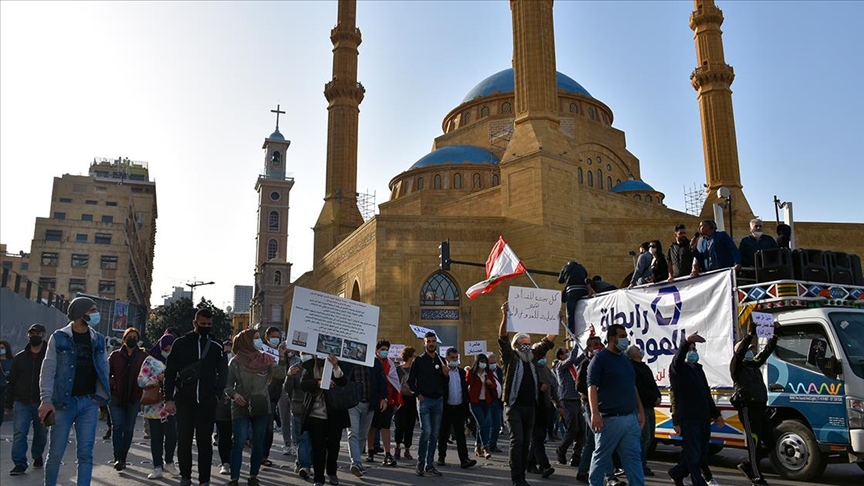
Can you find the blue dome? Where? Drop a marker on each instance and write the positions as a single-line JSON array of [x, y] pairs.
[[457, 154], [632, 185], [276, 135], [503, 82]]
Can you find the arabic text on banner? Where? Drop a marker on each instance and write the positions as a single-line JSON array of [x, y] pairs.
[[475, 347], [325, 324], [659, 317], [534, 311]]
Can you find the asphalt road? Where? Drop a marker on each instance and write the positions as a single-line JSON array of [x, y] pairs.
[[492, 471]]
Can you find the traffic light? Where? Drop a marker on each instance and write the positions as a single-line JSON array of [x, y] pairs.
[[444, 255]]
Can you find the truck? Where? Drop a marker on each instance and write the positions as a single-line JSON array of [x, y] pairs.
[[815, 377]]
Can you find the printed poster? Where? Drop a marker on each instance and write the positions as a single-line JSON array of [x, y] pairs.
[[324, 324], [121, 313]]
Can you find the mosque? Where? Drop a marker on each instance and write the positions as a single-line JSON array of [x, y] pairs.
[[529, 154]]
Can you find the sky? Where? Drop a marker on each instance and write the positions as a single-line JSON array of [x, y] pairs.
[[188, 87]]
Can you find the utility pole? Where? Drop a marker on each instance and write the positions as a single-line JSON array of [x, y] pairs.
[[192, 286]]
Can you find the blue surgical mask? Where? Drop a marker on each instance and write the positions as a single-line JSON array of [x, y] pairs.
[[165, 354], [453, 364], [259, 344], [748, 356], [274, 341], [94, 319], [228, 356], [481, 365], [622, 344], [2, 351], [493, 366], [692, 357], [384, 354], [306, 357], [541, 361]]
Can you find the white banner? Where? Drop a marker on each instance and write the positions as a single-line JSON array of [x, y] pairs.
[[421, 331], [534, 311], [475, 347], [325, 324], [659, 317]]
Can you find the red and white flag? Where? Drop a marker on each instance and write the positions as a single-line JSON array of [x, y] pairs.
[[501, 264]]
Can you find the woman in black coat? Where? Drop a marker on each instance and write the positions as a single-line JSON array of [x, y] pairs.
[[323, 422]]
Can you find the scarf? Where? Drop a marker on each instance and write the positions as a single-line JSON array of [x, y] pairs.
[[249, 358], [517, 380], [163, 342]]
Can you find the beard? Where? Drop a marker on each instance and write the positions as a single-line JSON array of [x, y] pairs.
[[524, 356]]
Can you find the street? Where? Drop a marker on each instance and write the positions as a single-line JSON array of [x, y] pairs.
[[487, 472]]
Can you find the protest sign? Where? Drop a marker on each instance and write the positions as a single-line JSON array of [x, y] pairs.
[[395, 351], [421, 331], [764, 324], [534, 311], [121, 311], [475, 347], [323, 324], [272, 352]]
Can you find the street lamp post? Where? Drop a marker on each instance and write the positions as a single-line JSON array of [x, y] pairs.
[[192, 286]]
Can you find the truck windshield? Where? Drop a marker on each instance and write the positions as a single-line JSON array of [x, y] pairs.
[[849, 327]]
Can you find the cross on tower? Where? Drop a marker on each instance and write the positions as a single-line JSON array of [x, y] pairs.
[[278, 112]]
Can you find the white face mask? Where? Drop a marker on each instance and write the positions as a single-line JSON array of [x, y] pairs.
[[652, 250], [757, 234]]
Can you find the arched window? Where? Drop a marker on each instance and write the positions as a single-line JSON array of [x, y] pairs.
[[589, 161], [273, 221], [605, 120], [599, 160], [457, 180], [439, 289], [466, 118], [272, 249], [591, 113], [649, 198], [355, 292], [574, 108], [506, 108], [277, 278], [495, 180], [637, 197], [608, 183], [600, 178], [276, 158], [484, 112], [579, 173], [419, 183], [590, 178], [436, 182], [477, 184]]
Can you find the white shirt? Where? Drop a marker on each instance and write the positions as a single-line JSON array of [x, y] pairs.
[[455, 387]]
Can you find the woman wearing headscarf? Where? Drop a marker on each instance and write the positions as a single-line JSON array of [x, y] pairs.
[[163, 426], [124, 364], [249, 375]]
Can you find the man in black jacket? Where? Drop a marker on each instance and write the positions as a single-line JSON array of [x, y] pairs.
[[751, 399], [427, 379], [577, 285], [195, 376], [455, 411], [649, 395], [694, 412], [680, 257], [22, 400]]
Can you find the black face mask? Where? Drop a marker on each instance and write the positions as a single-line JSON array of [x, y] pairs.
[[35, 340], [131, 343], [203, 331]]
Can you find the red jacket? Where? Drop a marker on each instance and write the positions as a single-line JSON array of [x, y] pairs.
[[474, 384], [124, 382]]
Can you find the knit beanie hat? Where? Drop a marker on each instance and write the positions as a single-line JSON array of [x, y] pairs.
[[79, 307]]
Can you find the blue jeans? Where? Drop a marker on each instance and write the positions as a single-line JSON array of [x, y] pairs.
[[429, 411], [481, 412], [647, 435], [83, 412], [23, 415], [588, 448], [123, 427], [361, 419], [620, 434], [695, 436], [301, 440], [496, 412], [240, 427]]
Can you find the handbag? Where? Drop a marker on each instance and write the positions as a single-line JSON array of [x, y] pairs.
[[151, 395], [345, 397], [189, 374], [258, 405]]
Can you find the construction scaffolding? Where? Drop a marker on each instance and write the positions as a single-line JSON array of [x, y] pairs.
[[366, 205], [694, 199]]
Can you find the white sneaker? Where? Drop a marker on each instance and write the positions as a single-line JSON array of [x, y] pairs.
[[225, 469], [171, 469], [156, 474], [713, 482]]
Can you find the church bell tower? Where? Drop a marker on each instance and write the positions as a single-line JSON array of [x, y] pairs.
[[272, 270]]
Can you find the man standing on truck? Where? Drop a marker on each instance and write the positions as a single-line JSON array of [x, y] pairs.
[[680, 257], [695, 410], [755, 241], [751, 398], [714, 250]]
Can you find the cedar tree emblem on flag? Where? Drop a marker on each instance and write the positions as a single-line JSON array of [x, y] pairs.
[[501, 264]]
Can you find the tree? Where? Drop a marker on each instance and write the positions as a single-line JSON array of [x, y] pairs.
[[180, 314]]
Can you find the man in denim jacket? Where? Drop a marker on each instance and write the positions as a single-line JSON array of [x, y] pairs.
[[73, 382]]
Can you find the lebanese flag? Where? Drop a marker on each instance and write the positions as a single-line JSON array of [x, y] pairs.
[[501, 264]]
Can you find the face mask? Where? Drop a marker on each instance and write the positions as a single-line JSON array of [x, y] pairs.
[[203, 331], [748, 356], [622, 343], [757, 234], [274, 341], [165, 354], [131, 343], [35, 340], [652, 250], [541, 361], [453, 364], [2, 352], [525, 348], [692, 357], [306, 357], [259, 344], [493, 366], [383, 354], [228, 356], [94, 319], [482, 366]]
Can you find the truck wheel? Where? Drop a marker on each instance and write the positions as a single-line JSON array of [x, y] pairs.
[[796, 453], [714, 449]]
